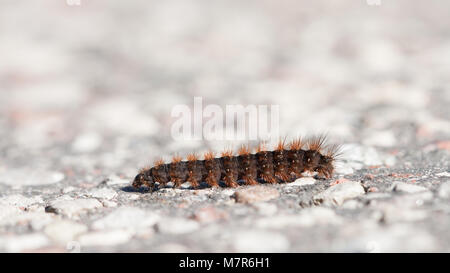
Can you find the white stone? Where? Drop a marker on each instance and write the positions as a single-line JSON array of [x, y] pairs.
[[408, 188], [64, 230], [19, 200], [444, 190], [36, 219], [22, 243], [72, 207], [105, 238], [177, 226], [259, 241], [103, 193], [133, 196], [126, 218], [68, 189], [256, 194], [302, 182], [337, 194], [443, 174]]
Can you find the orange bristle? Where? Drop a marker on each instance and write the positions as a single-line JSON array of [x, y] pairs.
[[316, 143], [209, 155], [261, 147], [176, 159], [281, 145], [227, 153], [244, 150], [159, 162], [192, 157], [144, 169], [296, 144], [334, 151]]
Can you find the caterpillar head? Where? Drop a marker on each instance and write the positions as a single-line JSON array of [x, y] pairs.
[[325, 166], [311, 160], [142, 179]]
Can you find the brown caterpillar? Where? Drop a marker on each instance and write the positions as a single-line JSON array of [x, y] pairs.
[[279, 165]]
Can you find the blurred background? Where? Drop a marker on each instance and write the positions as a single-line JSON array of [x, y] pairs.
[[87, 86], [79, 77]]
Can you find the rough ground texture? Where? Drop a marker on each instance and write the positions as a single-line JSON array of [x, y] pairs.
[[86, 99]]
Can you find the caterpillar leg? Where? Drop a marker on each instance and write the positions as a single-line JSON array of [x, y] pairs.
[[230, 182], [194, 183], [269, 178], [211, 180], [283, 177], [177, 183], [250, 181]]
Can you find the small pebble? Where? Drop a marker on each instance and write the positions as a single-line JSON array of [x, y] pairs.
[[443, 174], [337, 194], [68, 189], [126, 217], [103, 193], [256, 194], [73, 207], [407, 188], [302, 182]]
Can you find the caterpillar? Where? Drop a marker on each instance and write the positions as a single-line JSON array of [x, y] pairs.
[[284, 164]]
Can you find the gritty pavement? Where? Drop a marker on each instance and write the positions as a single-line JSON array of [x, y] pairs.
[[86, 96]]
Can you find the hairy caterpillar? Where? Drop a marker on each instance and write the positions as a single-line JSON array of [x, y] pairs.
[[279, 165]]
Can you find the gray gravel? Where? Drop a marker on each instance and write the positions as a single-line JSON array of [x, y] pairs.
[[86, 97]]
